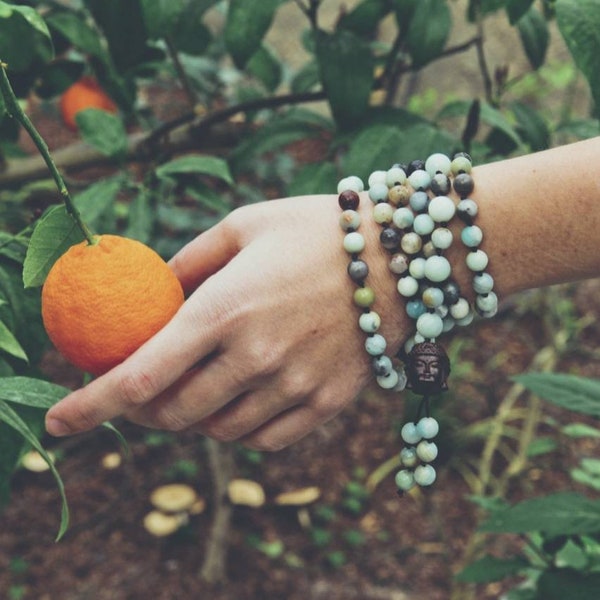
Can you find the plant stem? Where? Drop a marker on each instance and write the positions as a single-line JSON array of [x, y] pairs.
[[14, 109]]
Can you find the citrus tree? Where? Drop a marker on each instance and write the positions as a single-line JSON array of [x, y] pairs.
[[231, 109]]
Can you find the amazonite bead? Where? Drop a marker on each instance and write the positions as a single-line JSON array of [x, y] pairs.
[[382, 365], [408, 457], [389, 381], [467, 210], [395, 176], [461, 164], [358, 270], [407, 286], [419, 179], [441, 184], [423, 224], [477, 260], [377, 177], [405, 480], [417, 267], [449, 324], [402, 381], [424, 475], [441, 209], [375, 344], [382, 213], [471, 236], [415, 308], [419, 201], [364, 297], [409, 434], [403, 218], [353, 183], [378, 192], [369, 322], [354, 242], [428, 427], [442, 311], [465, 321], [483, 283], [438, 163], [427, 451], [399, 194], [350, 220], [487, 303], [411, 243], [460, 309], [437, 268], [429, 249], [430, 325], [442, 238], [433, 297], [398, 263]]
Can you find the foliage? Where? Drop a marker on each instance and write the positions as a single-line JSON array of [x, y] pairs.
[[168, 177]]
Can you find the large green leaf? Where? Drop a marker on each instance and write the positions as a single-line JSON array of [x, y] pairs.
[[10, 344], [54, 233], [489, 568], [103, 131], [579, 394], [535, 36], [579, 24], [161, 16], [196, 165], [247, 23], [364, 18], [563, 513], [77, 31], [28, 391], [429, 30], [314, 178], [96, 203], [568, 584], [347, 66], [517, 8]]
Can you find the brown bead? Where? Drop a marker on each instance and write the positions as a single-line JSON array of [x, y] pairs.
[[349, 200], [399, 195]]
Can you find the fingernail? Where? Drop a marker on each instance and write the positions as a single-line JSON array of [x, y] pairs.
[[57, 428]]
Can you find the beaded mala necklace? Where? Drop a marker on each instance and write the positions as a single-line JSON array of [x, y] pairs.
[[415, 232]]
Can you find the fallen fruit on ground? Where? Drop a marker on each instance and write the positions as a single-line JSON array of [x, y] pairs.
[[83, 94], [102, 301]]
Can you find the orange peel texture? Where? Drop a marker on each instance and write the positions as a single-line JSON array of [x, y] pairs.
[[101, 302], [85, 93]]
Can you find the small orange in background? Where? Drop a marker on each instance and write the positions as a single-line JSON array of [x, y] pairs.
[[85, 93], [102, 301]]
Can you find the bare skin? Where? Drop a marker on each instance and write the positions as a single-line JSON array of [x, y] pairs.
[[267, 346]]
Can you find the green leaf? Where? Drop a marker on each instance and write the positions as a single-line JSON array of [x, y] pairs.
[[54, 233], [542, 445], [265, 66], [497, 120], [535, 36], [571, 584], [161, 16], [196, 165], [10, 344], [306, 78], [103, 130], [28, 391], [247, 23], [579, 430], [517, 8], [12, 419], [78, 32], [532, 127], [317, 178], [96, 202], [364, 18], [489, 568], [579, 394], [347, 71], [579, 24], [429, 30], [563, 513], [141, 217]]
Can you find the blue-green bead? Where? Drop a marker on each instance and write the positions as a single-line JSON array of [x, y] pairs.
[[477, 260], [375, 344], [403, 218], [460, 309], [419, 201], [487, 303], [430, 325], [354, 242], [415, 308], [483, 283], [378, 192], [376, 177], [350, 220], [437, 268], [417, 267], [389, 381], [369, 322], [424, 475], [428, 427], [427, 451], [408, 457], [471, 236], [441, 209], [419, 179], [402, 380], [433, 297], [395, 176], [442, 238], [407, 286], [438, 163], [409, 434], [405, 480], [423, 224]]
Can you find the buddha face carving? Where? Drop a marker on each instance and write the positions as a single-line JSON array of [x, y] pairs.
[[427, 368]]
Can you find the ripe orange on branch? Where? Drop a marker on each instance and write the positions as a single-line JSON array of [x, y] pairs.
[[102, 301], [85, 93]]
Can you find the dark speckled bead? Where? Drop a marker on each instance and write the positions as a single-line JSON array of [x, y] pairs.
[[451, 293], [463, 184], [415, 165], [440, 184], [390, 238], [349, 200], [358, 270]]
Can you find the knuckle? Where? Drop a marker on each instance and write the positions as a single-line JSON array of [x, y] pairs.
[[296, 386], [219, 431], [137, 388], [263, 358]]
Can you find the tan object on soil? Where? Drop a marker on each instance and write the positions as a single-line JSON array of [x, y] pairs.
[[34, 462], [159, 524], [300, 497], [112, 460], [173, 498], [246, 492]]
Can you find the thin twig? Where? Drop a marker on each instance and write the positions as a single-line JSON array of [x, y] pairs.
[[188, 88], [481, 58]]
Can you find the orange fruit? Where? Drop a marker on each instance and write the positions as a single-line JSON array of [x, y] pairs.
[[85, 93], [102, 301]]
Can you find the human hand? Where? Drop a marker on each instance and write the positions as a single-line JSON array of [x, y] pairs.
[[267, 345]]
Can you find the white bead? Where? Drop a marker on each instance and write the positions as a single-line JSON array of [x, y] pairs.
[[353, 183], [377, 177], [350, 219], [378, 192], [354, 242], [405, 480], [408, 286], [382, 213], [388, 382], [417, 267], [403, 218], [419, 180], [427, 451], [442, 238], [483, 283], [437, 268], [375, 345], [477, 261], [460, 309], [487, 303], [411, 242], [430, 325], [441, 209], [428, 427], [438, 163], [442, 311], [466, 320], [408, 457], [410, 434], [424, 475], [449, 323], [423, 224], [369, 322], [395, 176]]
